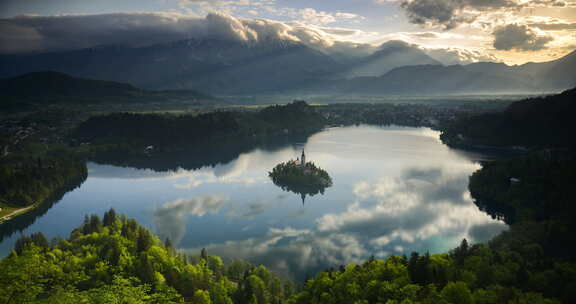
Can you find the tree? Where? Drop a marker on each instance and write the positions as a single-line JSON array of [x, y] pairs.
[[144, 240], [457, 293], [168, 245], [201, 297], [461, 252], [109, 217]]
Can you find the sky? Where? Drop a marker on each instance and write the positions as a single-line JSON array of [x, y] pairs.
[[511, 31]]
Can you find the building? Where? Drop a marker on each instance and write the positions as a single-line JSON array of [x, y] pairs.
[[303, 159]]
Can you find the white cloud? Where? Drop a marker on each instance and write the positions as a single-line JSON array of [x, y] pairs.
[[170, 218], [393, 215], [450, 56]]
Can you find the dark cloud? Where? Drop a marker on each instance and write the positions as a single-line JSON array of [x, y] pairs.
[[15, 38], [65, 32], [442, 12], [55, 33], [449, 13], [519, 37]]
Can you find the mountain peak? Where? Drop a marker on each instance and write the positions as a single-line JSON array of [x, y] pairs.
[[395, 44]]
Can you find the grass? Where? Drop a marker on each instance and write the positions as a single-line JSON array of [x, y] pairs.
[[6, 209]]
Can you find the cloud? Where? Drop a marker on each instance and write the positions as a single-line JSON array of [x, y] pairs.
[[451, 13], [409, 207], [15, 38], [554, 26], [449, 56], [519, 37], [423, 209], [65, 32], [68, 32], [293, 252], [170, 218]]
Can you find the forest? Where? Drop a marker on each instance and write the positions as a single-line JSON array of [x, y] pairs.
[[33, 177], [541, 122], [135, 135], [115, 260]]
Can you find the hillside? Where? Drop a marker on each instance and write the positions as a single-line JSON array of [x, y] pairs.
[[49, 87], [115, 260], [212, 65], [390, 55], [60, 84], [544, 122]]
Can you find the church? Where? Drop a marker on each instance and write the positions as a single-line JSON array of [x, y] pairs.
[[302, 160]]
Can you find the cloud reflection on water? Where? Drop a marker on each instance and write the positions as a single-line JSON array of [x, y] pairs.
[[417, 201], [170, 218], [422, 209]]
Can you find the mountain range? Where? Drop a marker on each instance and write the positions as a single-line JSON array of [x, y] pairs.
[[50, 87], [227, 67]]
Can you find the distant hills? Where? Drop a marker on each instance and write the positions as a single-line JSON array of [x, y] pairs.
[[544, 122], [46, 87], [210, 65], [228, 67], [60, 84], [390, 55], [482, 77]]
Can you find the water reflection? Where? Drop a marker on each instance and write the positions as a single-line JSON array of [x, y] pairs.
[[423, 209], [302, 190], [398, 190], [170, 218], [21, 222]]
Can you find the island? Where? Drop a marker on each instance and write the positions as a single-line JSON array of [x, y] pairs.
[[300, 177]]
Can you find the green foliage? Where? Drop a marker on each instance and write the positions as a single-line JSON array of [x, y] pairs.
[[292, 173], [118, 261], [457, 293], [307, 180], [31, 179]]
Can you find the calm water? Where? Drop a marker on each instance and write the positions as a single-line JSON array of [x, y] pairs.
[[396, 190]]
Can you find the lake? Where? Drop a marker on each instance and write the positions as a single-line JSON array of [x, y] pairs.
[[396, 190]]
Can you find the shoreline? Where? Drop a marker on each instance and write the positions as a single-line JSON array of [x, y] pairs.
[[16, 213]]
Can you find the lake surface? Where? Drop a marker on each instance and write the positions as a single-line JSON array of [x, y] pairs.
[[396, 190]]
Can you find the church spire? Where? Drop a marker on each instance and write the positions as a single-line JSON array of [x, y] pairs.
[[303, 159]]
